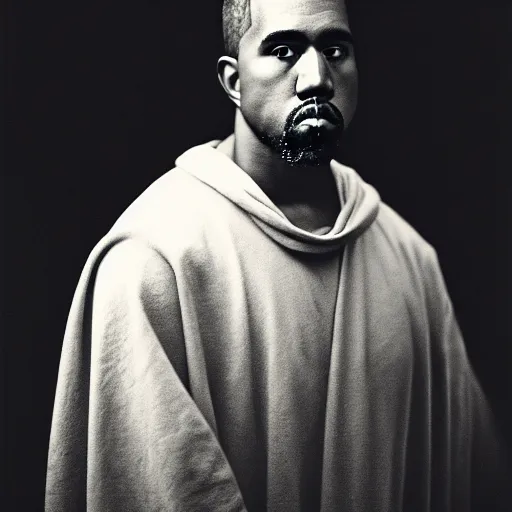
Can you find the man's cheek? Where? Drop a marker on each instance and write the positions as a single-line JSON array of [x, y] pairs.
[[347, 104]]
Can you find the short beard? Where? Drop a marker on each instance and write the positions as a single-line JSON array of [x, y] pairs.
[[310, 148]]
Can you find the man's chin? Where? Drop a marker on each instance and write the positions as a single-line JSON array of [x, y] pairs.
[[307, 152], [307, 157], [312, 148]]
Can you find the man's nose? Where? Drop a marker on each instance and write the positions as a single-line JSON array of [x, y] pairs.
[[314, 77]]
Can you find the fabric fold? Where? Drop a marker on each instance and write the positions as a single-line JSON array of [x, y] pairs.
[[360, 201]]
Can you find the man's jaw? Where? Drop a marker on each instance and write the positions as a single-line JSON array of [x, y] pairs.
[[310, 143]]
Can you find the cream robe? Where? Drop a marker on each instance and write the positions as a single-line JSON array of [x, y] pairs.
[[218, 358]]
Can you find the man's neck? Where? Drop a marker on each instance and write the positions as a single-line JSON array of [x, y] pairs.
[[307, 196]]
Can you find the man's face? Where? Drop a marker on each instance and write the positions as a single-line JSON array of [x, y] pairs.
[[298, 77]]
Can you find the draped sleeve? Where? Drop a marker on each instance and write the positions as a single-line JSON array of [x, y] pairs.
[[126, 434], [467, 440]]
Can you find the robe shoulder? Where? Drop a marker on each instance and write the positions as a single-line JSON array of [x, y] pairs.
[[134, 279], [131, 266], [415, 260], [176, 207], [400, 235]]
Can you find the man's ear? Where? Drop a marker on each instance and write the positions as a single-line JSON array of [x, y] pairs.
[[227, 71]]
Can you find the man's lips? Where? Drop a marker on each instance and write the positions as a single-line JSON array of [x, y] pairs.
[[315, 122], [315, 111]]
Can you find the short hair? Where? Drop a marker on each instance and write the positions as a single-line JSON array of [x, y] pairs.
[[236, 20]]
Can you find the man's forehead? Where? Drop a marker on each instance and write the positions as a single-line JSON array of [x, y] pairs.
[[270, 15]]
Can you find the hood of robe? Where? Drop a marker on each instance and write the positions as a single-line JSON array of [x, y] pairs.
[[359, 200]]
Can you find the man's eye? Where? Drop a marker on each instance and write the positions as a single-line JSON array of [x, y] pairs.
[[283, 52], [336, 52]]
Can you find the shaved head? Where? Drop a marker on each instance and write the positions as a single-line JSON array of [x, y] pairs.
[[236, 20]]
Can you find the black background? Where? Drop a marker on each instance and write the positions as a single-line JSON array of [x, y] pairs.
[[101, 97]]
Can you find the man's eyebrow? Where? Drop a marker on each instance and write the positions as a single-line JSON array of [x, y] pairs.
[[330, 34]]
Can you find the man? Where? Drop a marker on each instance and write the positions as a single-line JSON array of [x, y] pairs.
[[258, 331]]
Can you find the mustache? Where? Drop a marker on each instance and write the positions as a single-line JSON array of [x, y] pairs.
[[312, 108]]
